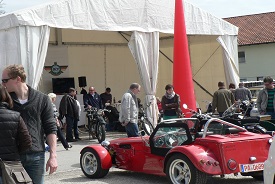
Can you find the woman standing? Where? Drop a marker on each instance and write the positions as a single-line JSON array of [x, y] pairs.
[[170, 103], [14, 135], [60, 135]]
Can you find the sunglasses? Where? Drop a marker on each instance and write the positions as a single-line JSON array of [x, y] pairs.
[[6, 80]]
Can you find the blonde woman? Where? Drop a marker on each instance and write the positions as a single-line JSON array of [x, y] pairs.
[[60, 135]]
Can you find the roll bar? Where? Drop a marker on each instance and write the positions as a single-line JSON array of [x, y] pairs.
[[222, 122]]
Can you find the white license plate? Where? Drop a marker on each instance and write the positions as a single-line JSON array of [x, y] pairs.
[[251, 167]]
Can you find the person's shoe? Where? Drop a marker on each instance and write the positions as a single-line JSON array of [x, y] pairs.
[[70, 146], [71, 140], [78, 139]]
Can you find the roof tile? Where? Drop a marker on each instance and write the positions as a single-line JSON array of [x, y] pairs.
[[255, 29]]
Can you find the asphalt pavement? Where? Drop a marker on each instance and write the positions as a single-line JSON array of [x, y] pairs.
[[69, 171]]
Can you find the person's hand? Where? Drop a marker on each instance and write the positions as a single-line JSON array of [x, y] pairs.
[[52, 165], [57, 123], [89, 107], [262, 113]]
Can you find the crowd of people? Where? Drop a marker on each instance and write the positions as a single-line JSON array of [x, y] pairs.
[[223, 98], [32, 116]]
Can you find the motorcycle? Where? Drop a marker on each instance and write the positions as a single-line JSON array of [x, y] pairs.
[[239, 114], [234, 116], [96, 123], [143, 121]]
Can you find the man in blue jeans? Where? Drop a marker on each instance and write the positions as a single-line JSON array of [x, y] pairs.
[[37, 112], [128, 115]]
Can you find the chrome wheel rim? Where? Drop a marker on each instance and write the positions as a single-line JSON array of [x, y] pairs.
[[179, 172], [89, 163]]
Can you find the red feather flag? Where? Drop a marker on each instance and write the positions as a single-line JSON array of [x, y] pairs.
[[182, 72]]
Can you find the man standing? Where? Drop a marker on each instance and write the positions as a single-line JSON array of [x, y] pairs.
[[92, 99], [222, 99], [266, 100], [106, 97], [36, 110], [128, 115], [242, 93], [68, 107]]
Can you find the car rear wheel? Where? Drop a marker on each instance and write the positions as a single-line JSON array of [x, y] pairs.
[[91, 164], [180, 170]]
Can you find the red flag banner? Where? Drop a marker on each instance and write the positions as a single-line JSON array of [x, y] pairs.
[[182, 72]]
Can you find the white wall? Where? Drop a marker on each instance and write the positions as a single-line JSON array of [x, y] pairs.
[[260, 61]]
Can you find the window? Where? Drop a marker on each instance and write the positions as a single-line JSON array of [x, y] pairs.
[[241, 56]]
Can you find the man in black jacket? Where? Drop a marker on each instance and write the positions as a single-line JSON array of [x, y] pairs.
[[68, 108], [36, 110]]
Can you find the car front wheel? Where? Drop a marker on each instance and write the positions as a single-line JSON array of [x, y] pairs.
[[91, 164], [180, 170]]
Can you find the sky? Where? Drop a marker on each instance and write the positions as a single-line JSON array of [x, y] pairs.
[[219, 8]]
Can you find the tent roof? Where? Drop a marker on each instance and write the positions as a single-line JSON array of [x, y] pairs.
[[117, 15]]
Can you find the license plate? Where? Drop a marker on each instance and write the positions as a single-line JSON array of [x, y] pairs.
[[251, 167]]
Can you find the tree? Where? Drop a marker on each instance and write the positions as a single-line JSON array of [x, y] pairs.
[[1, 7]]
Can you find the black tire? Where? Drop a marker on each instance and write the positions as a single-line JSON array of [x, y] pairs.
[[101, 133], [91, 164], [147, 127], [93, 131], [191, 175]]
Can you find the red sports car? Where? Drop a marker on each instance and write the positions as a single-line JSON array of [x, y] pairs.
[[184, 150]]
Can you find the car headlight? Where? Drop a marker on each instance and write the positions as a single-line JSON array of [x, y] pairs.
[[105, 144]]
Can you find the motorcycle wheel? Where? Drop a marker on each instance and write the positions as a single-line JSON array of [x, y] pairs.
[[101, 133], [93, 131]]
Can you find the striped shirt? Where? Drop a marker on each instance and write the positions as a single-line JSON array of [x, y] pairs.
[[270, 106]]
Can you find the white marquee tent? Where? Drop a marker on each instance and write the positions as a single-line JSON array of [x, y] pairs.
[[24, 34]]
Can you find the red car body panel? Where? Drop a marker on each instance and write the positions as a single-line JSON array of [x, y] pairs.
[[239, 147], [199, 156], [137, 157]]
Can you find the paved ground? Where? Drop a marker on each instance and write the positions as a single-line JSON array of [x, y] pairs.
[[69, 171]]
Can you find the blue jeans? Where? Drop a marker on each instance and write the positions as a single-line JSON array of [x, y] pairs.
[[272, 114], [34, 164], [71, 124], [132, 129]]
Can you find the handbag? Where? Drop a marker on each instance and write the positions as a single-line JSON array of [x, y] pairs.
[[13, 172]]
